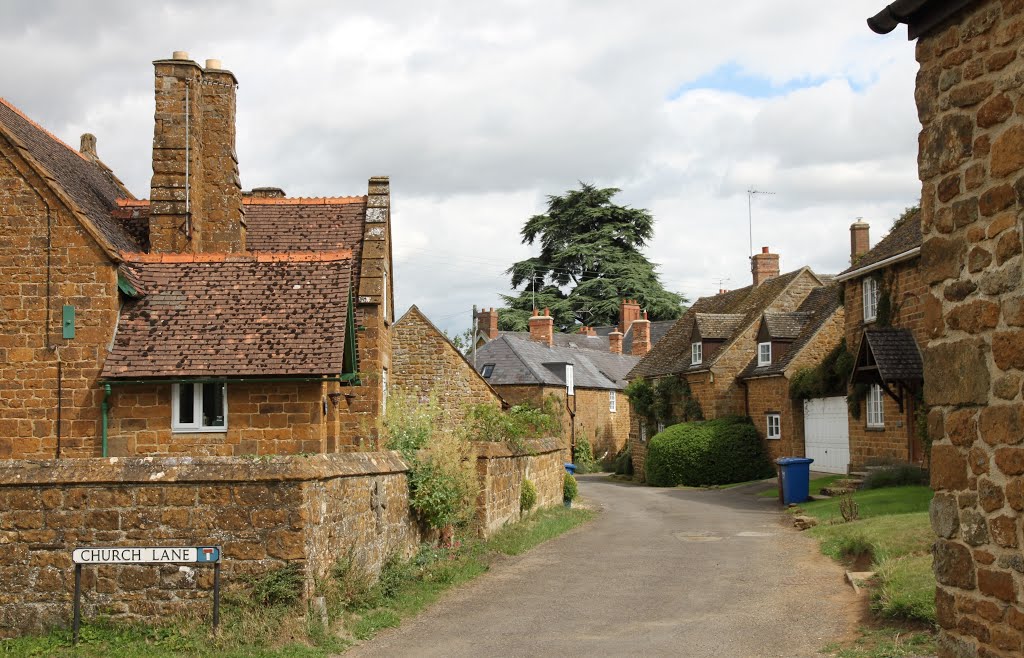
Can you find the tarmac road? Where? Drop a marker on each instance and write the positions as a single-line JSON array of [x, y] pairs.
[[660, 572]]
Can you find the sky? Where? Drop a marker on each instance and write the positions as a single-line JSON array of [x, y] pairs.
[[480, 110]]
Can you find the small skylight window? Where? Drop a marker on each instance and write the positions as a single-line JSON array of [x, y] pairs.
[[487, 370]]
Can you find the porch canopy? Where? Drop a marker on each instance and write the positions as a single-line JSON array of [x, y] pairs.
[[890, 358]]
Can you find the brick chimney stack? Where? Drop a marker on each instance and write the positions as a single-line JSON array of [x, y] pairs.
[[195, 194], [764, 266], [615, 342], [88, 146], [588, 331], [860, 243], [487, 322], [641, 336], [542, 327], [629, 311]]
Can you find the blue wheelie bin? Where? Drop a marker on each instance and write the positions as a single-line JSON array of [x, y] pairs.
[[794, 479], [570, 468]]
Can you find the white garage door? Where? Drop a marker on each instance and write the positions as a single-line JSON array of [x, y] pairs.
[[827, 434]]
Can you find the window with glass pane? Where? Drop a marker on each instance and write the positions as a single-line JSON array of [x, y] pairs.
[[764, 354], [774, 426], [696, 353], [611, 401], [876, 414], [199, 407], [870, 299]]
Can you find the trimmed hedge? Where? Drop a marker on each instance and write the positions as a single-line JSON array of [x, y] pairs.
[[720, 451]]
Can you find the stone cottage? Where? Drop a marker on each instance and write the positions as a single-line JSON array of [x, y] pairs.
[[428, 366], [577, 371], [204, 321], [971, 161], [714, 341], [883, 294], [785, 344]]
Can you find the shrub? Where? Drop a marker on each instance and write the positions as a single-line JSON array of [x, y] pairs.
[[899, 475], [849, 508], [584, 457], [720, 451], [522, 421], [624, 463], [278, 587], [527, 496], [570, 489]]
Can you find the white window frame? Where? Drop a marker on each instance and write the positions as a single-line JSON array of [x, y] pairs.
[[875, 407], [197, 408], [384, 390], [612, 401], [570, 381], [773, 426], [661, 426], [696, 353], [764, 354], [643, 432], [870, 298]]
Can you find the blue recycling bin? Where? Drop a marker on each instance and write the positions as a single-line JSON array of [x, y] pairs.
[[794, 479], [570, 468]]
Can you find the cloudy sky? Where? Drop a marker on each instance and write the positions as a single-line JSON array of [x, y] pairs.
[[478, 110]]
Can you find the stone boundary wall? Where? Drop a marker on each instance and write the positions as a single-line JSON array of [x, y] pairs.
[[264, 513], [501, 470]]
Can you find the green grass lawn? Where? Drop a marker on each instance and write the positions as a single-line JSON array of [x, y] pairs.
[[358, 606], [873, 502], [816, 485]]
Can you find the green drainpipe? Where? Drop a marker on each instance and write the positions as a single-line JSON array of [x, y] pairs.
[[106, 408]]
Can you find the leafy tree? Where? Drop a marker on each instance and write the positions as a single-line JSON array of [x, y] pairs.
[[589, 260]]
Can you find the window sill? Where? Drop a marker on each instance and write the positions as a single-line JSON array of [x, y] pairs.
[[196, 430], [874, 428], [774, 438]]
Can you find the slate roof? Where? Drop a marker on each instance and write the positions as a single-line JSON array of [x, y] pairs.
[[672, 353], [895, 353], [561, 339], [521, 361], [903, 236], [234, 318], [717, 326], [820, 305], [88, 183], [785, 326]]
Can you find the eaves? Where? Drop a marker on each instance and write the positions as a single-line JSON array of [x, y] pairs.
[[885, 262]]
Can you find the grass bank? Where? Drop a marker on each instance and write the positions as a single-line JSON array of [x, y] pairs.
[[267, 620], [894, 536], [816, 485]]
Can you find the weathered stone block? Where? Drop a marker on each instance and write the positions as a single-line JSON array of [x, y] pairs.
[[1010, 460], [990, 495], [1008, 152], [967, 358], [973, 527], [944, 515], [953, 565], [998, 584]]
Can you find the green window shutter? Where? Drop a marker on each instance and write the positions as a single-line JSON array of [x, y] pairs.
[[69, 321]]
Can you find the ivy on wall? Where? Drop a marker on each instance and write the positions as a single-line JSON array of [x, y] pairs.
[[668, 400]]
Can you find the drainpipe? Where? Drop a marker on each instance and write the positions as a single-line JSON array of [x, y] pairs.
[[106, 407]]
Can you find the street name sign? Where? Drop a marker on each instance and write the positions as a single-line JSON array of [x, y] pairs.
[[146, 555]]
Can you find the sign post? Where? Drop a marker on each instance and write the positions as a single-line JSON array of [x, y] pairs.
[[144, 555]]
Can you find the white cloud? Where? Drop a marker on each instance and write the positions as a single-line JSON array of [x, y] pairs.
[[479, 110]]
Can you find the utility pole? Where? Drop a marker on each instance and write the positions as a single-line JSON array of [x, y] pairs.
[[472, 336], [750, 221]]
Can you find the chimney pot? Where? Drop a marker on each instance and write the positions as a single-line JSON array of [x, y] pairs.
[[213, 64], [764, 266], [764, 250], [180, 54]]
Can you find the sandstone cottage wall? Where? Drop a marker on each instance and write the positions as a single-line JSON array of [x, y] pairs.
[[971, 161], [427, 365], [771, 395], [501, 470], [31, 344]]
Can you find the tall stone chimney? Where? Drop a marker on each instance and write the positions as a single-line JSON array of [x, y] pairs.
[[860, 243], [487, 322], [195, 194], [764, 266], [542, 327], [88, 146], [615, 342], [641, 336], [629, 311]]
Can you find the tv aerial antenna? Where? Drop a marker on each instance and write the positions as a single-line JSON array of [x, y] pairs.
[[751, 191]]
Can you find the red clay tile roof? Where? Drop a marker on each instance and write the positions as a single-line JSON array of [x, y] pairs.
[[88, 183], [304, 224], [234, 317]]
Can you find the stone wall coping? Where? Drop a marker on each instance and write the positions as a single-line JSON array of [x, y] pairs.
[[493, 449], [151, 470]]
